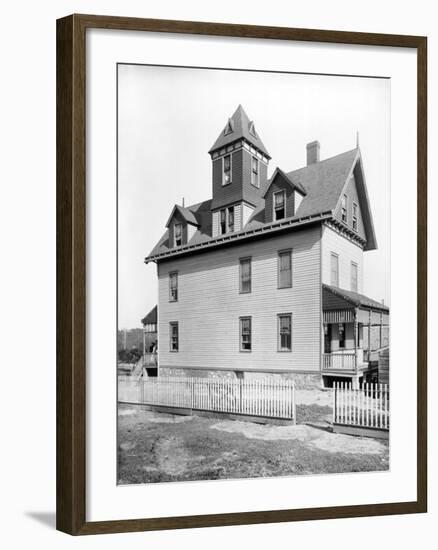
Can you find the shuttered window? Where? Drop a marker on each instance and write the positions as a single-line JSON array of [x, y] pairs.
[[334, 269], [245, 334], [174, 337], [285, 332], [285, 269], [173, 287], [245, 275]]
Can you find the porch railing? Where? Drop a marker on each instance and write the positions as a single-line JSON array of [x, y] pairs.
[[339, 361], [150, 360]]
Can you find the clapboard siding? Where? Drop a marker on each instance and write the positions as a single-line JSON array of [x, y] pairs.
[[348, 252], [209, 306]]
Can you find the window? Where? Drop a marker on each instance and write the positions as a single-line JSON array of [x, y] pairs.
[[334, 269], [354, 216], [231, 219], [245, 275], [354, 272], [223, 221], [178, 234], [285, 269], [245, 334], [174, 339], [173, 287], [279, 205], [255, 172], [341, 332], [344, 209], [226, 170], [285, 332]]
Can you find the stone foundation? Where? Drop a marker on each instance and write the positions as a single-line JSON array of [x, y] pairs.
[[303, 381]]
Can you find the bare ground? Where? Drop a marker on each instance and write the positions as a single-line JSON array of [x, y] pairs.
[[156, 447]]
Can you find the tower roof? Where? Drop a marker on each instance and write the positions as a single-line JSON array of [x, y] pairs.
[[239, 126]]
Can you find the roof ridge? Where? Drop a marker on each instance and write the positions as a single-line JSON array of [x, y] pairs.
[[324, 160]]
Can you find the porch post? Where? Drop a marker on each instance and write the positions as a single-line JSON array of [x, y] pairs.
[[144, 345], [369, 335], [355, 340]]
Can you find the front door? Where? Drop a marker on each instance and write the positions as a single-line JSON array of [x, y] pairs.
[[327, 338]]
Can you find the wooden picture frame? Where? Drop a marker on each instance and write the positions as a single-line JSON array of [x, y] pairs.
[[71, 273]]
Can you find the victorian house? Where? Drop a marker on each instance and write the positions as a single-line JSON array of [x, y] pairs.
[[266, 276]]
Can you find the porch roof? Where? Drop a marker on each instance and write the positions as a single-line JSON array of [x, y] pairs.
[[151, 317], [339, 298]]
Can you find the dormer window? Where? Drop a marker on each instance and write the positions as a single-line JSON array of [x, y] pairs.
[[354, 216], [223, 221], [228, 127], [255, 172], [344, 209], [226, 175], [279, 205], [252, 129], [178, 234]]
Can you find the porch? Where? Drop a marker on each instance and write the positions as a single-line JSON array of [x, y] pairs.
[[356, 330]]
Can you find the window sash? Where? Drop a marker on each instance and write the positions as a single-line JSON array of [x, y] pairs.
[[344, 208], [354, 216], [173, 287], [245, 334], [226, 171], [223, 221], [174, 338], [280, 205], [285, 332], [245, 275], [231, 219], [178, 234], [285, 269], [334, 269], [255, 171]]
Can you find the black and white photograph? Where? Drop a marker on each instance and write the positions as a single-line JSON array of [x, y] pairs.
[[253, 274]]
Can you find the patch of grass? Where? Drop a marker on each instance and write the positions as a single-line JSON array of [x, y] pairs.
[[313, 413]]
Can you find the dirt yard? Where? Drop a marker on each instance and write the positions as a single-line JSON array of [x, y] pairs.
[[156, 447]]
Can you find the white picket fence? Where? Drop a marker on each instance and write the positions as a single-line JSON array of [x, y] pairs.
[[267, 398], [367, 406]]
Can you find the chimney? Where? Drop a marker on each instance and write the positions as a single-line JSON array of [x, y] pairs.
[[312, 152]]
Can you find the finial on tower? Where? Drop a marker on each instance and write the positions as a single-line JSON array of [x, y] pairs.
[[357, 139], [183, 202]]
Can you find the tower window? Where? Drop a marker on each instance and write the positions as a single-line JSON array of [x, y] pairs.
[[226, 178], [231, 219], [279, 205], [223, 221], [344, 209], [178, 234], [255, 172]]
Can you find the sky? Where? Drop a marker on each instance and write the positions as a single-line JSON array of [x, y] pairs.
[[169, 117]]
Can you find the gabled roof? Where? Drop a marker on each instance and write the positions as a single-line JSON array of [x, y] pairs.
[[151, 317], [323, 183], [186, 213], [239, 126], [354, 298], [286, 178]]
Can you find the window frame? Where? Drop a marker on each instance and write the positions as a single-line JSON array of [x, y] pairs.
[[344, 209], [355, 216], [179, 224], [224, 210], [279, 317], [274, 216], [334, 255], [352, 266], [230, 210], [255, 180], [245, 259], [241, 319], [279, 254], [171, 325], [224, 182], [171, 274]]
